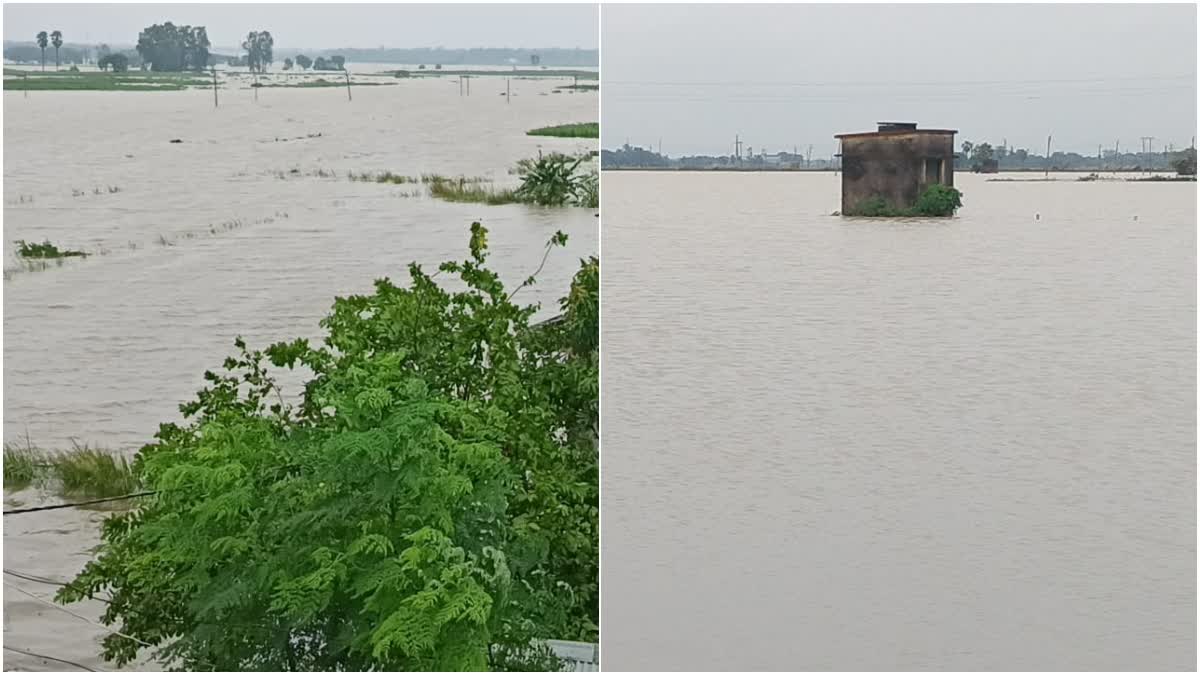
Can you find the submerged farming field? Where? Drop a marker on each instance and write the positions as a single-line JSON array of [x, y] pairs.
[[146, 230]]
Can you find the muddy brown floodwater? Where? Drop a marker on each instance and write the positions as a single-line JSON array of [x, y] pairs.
[[870, 444], [248, 226]]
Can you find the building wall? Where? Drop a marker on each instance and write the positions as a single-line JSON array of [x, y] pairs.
[[892, 166]]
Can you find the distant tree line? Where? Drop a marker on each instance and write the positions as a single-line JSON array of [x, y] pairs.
[[632, 157], [974, 157], [457, 57], [986, 157]]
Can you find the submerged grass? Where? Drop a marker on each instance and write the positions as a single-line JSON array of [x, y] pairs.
[[20, 467], [80, 472], [462, 190], [580, 130], [90, 472]]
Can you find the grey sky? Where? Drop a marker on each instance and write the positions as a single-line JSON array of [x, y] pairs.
[[791, 75], [321, 25]]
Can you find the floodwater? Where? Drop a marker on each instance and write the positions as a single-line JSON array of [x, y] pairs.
[[854, 444], [250, 227]]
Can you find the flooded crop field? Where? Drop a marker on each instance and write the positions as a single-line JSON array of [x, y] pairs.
[[916, 444], [202, 224]]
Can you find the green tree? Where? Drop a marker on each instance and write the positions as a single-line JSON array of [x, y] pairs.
[[966, 148], [430, 504], [42, 41], [339, 62], [303, 61], [1185, 162], [287, 64], [170, 48], [982, 152], [259, 46], [57, 41], [118, 62]]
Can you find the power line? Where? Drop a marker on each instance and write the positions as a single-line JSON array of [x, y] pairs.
[[10, 512], [34, 578], [54, 658], [77, 616]]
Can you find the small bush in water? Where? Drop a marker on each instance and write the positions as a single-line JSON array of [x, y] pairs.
[[935, 201], [45, 250]]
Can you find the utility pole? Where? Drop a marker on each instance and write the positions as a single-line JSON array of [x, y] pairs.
[[1048, 156], [1117, 152], [349, 96], [214, 74], [737, 147], [1148, 142], [808, 157], [1099, 158], [460, 85]]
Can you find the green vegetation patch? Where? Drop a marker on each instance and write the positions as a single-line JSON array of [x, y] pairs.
[[20, 467], [79, 472], [937, 201], [71, 81], [45, 250], [581, 130], [557, 180], [430, 503], [461, 190], [89, 472]]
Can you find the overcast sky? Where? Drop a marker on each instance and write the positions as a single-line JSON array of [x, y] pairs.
[[321, 26], [790, 75]]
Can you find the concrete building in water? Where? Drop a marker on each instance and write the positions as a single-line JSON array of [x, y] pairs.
[[895, 164]]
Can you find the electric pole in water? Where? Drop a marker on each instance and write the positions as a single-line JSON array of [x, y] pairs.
[[1048, 156]]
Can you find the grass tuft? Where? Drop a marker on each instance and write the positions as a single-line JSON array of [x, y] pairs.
[[466, 190], [90, 472], [79, 472], [20, 467]]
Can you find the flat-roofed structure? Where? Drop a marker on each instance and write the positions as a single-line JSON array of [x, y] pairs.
[[895, 164]]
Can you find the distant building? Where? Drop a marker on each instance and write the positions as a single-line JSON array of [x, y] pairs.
[[895, 163]]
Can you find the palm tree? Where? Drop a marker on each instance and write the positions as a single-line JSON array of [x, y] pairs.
[[42, 41], [56, 40]]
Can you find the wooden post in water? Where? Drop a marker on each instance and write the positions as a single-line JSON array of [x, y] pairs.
[[25, 80], [349, 97], [254, 86], [214, 74], [468, 85], [507, 91], [460, 85]]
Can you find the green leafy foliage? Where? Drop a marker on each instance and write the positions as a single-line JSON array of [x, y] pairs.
[[20, 467], [45, 250], [431, 503], [936, 201], [555, 180]]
